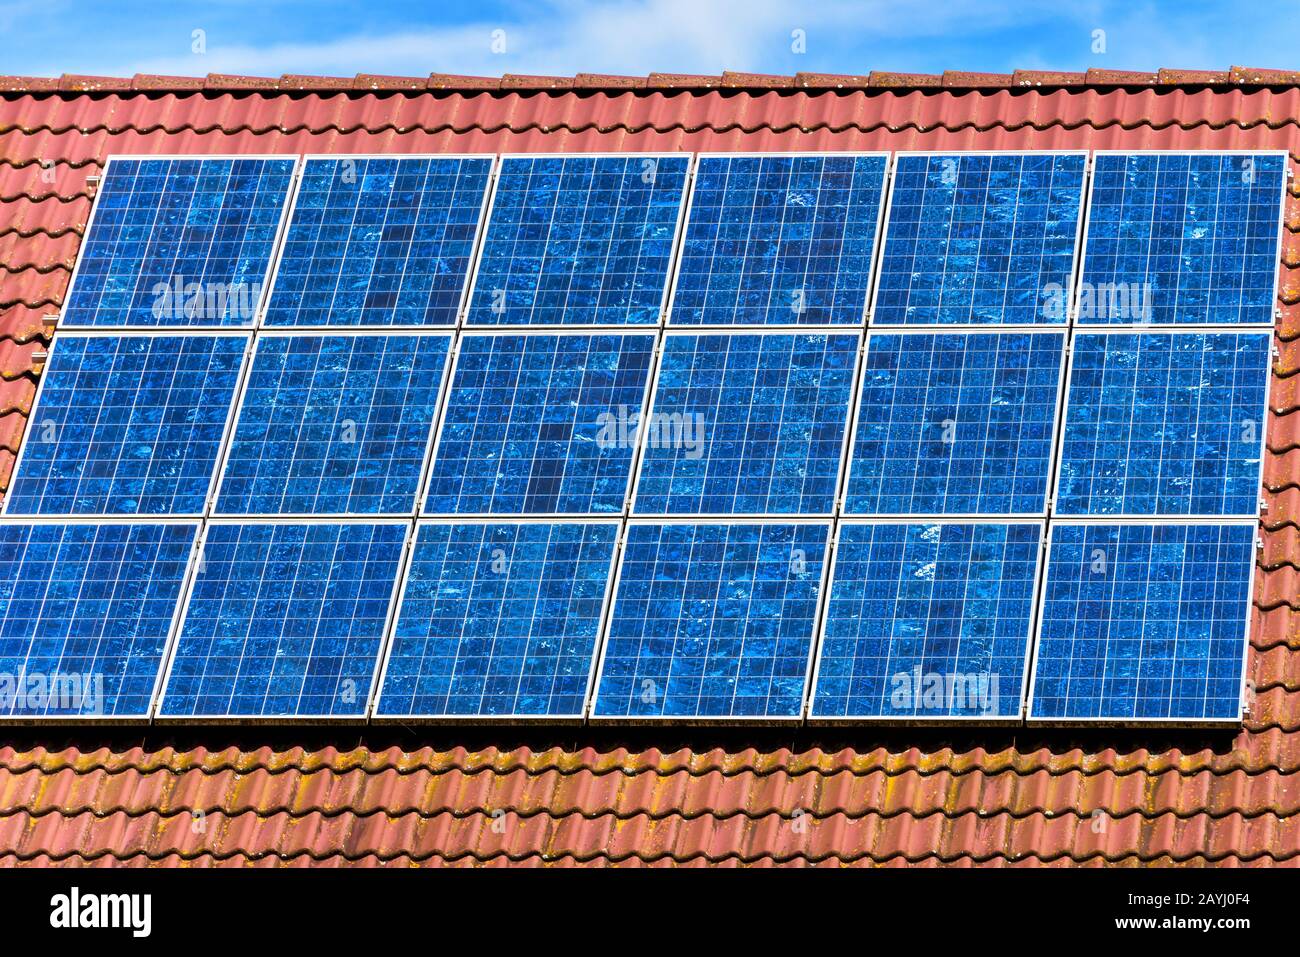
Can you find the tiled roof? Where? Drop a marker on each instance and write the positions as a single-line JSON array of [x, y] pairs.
[[1236, 76], [889, 798]]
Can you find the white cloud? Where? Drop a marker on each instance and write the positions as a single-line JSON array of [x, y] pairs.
[[628, 37]]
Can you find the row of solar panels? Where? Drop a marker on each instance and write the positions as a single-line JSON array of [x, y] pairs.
[[743, 423], [713, 621], [951, 423], [788, 239]]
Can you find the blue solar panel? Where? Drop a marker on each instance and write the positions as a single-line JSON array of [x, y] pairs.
[[975, 238], [85, 614], [928, 621], [1144, 622], [379, 241], [540, 424], [1183, 237], [334, 425], [499, 619], [1164, 424], [285, 620], [747, 424], [179, 242], [955, 423], [712, 621], [579, 239], [779, 239], [128, 425]]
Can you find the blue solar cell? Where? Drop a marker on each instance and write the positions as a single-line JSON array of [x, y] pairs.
[[499, 619], [712, 621], [579, 239], [379, 241], [980, 238], [1144, 622], [285, 620], [1164, 424], [334, 425], [85, 614], [1183, 237], [747, 424], [128, 425], [779, 239], [179, 242], [540, 424], [955, 423], [928, 621]]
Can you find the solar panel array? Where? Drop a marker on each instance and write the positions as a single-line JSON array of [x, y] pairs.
[[650, 437]]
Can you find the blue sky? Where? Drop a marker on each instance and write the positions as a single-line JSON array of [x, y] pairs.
[[266, 37]]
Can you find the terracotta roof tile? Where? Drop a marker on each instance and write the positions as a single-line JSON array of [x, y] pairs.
[[957, 78], [513, 81], [228, 81]]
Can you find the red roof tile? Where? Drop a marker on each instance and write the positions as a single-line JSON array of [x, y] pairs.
[[1221, 800]]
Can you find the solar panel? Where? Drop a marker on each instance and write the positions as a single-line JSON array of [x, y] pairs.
[[955, 423], [499, 619], [540, 424], [1183, 237], [928, 620], [334, 425], [712, 621], [285, 620], [1144, 623], [127, 425], [779, 238], [980, 238], [574, 239], [1164, 424], [85, 614], [379, 241], [747, 424], [179, 242]]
